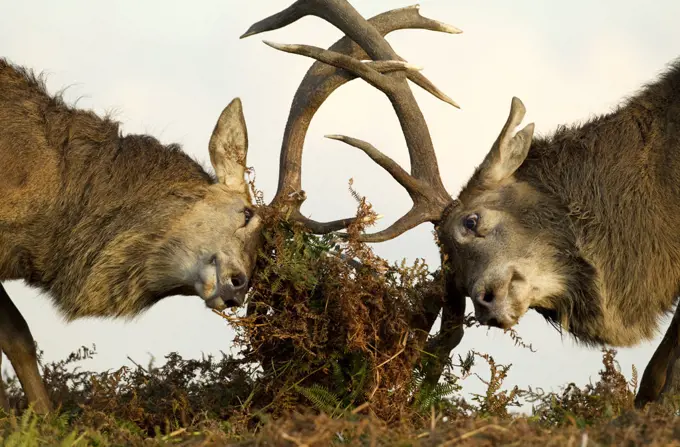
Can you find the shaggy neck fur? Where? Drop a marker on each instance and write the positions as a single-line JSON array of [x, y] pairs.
[[616, 179], [92, 207]]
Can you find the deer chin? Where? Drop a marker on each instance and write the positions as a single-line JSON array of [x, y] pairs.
[[220, 303]]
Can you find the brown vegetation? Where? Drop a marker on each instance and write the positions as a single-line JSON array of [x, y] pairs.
[[333, 360]]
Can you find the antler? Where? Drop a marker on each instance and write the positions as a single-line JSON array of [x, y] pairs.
[[388, 72]]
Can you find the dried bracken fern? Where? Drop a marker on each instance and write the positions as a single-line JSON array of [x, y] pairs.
[[312, 313], [214, 402], [611, 396]]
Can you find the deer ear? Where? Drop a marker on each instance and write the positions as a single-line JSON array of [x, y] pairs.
[[508, 152], [229, 147]]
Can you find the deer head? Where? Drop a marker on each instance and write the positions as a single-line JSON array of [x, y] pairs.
[[212, 247]]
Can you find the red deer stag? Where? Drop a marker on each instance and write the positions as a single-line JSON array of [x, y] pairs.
[[107, 224], [577, 225]]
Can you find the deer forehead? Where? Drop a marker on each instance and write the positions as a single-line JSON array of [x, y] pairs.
[[221, 197], [503, 195], [213, 217]]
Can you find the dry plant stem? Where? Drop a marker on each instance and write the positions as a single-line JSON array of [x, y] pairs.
[[471, 434], [321, 80], [294, 440], [397, 354], [361, 407], [175, 433]]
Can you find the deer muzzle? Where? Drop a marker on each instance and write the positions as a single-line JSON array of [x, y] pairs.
[[493, 305], [222, 286]]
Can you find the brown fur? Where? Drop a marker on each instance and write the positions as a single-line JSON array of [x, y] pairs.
[[109, 224], [604, 198]]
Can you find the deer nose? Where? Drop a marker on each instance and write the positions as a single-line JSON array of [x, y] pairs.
[[486, 298], [233, 290], [239, 282]]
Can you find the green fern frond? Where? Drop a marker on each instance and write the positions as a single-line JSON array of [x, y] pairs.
[[321, 397], [443, 390]]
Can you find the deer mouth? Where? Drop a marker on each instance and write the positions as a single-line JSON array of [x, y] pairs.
[[492, 320], [221, 303], [221, 294], [221, 297]]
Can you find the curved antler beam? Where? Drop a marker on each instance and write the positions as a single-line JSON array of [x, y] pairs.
[[322, 227]]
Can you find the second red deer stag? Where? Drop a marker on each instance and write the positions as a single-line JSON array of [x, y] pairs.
[[578, 225]]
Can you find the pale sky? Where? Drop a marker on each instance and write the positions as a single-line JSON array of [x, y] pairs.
[[168, 69]]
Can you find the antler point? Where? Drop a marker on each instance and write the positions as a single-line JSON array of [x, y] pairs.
[[413, 67], [272, 44]]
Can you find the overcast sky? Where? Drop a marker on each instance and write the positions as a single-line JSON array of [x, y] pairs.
[[168, 69]]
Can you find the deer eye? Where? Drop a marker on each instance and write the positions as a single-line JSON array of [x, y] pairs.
[[248, 213], [470, 222]]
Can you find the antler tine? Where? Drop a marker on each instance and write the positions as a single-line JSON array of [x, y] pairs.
[[370, 71], [414, 217], [322, 79], [424, 208], [302, 8]]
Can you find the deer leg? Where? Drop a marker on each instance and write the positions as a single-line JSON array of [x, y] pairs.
[[672, 385], [450, 334], [4, 403], [17, 343], [422, 322], [659, 373]]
